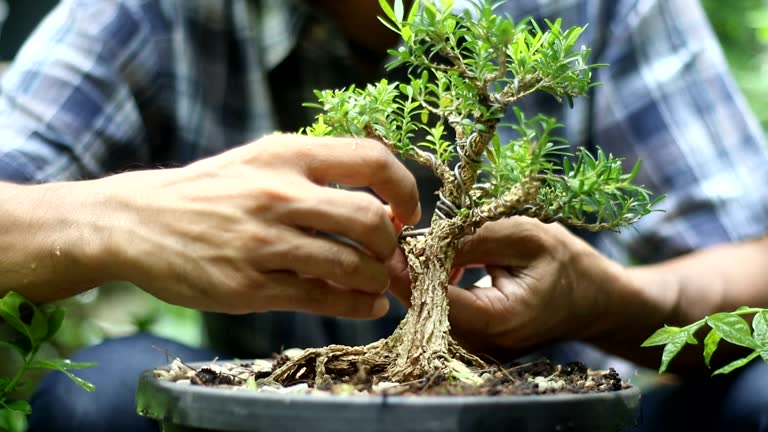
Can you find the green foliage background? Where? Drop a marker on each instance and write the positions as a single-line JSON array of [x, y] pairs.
[[742, 26]]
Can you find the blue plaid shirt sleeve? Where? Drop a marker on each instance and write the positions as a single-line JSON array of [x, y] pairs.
[[70, 103], [668, 100]]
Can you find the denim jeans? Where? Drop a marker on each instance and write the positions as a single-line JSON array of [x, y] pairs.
[[737, 402]]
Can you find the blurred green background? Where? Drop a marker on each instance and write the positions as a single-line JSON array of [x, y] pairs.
[[742, 26], [121, 309]]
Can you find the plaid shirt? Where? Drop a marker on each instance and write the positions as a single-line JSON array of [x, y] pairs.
[[106, 86], [103, 87]]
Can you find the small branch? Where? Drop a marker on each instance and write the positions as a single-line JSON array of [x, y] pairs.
[[27, 361], [501, 72], [420, 156], [443, 113], [522, 200], [511, 94], [504, 206], [429, 160]]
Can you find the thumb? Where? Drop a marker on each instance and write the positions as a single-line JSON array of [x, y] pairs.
[[480, 248], [474, 309], [514, 241]]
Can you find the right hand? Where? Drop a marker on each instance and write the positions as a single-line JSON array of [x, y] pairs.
[[235, 233]]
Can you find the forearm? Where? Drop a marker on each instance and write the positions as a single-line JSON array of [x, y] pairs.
[[683, 290], [719, 279], [49, 247]]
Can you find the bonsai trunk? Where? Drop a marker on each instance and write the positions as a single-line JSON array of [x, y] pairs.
[[421, 345]]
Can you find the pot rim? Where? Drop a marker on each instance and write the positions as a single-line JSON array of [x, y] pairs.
[[148, 377], [239, 409]]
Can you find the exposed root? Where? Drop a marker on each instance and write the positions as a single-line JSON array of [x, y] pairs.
[[318, 365], [321, 367]]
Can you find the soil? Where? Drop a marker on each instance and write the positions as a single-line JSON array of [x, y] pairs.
[[535, 378]]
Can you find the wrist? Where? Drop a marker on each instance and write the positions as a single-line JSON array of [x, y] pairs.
[[641, 300], [630, 301], [51, 244]]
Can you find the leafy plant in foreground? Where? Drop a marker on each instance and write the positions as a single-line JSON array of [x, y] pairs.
[[467, 71], [728, 326], [30, 327]]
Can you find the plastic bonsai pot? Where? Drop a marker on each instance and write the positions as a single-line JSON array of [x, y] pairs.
[[179, 407]]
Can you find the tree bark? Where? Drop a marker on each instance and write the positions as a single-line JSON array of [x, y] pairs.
[[421, 342]]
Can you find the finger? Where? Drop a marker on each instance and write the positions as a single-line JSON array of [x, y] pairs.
[[468, 312], [456, 274], [511, 242], [291, 292], [480, 309], [399, 277], [324, 258], [359, 162], [355, 215], [395, 221]]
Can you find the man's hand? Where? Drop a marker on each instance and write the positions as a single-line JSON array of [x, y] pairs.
[[545, 285], [254, 229]]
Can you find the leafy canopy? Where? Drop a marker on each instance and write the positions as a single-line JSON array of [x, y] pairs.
[[465, 71]]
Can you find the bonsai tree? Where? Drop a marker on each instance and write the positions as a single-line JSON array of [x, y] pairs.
[[466, 72]]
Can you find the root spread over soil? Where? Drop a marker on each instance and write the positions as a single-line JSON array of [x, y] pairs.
[[339, 375]]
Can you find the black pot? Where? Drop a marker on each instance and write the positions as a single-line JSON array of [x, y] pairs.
[[179, 407]]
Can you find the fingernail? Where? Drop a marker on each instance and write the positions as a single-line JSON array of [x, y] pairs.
[[416, 217], [380, 307]]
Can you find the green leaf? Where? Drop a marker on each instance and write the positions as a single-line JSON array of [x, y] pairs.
[[22, 352], [12, 420], [461, 372], [55, 320], [663, 336], [760, 325], [732, 328], [671, 349], [635, 171], [21, 406], [250, 383], [388, 10], [710, 345], [399, 11], [406, 33], [65, 366], [24, 317], [60, 364], [413, 12], [735, 364], [9, 311], [763, 351]]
